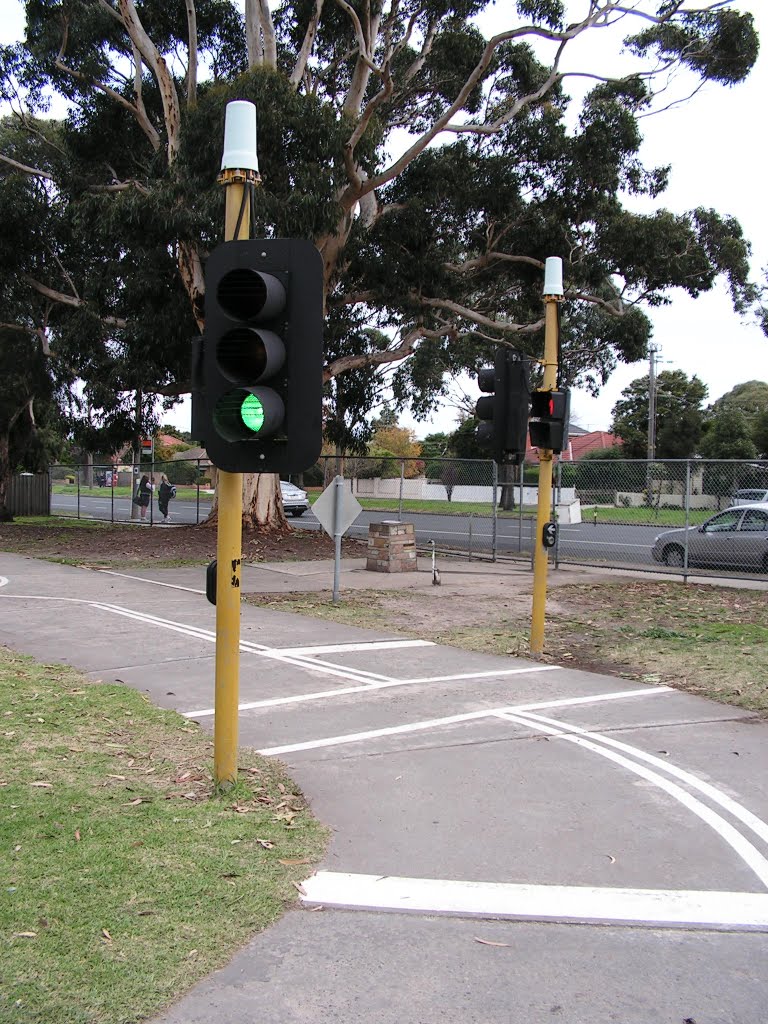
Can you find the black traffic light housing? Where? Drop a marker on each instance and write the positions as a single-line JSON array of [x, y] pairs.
[[503, 411], [257, 371], [550, 416]]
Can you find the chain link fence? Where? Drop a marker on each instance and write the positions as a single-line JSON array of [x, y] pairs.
[[107, 493], [685, 516]]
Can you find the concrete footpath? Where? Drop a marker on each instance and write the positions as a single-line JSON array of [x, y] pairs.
[[512, 841]]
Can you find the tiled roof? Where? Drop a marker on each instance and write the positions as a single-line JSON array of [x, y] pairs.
[[579, 445]]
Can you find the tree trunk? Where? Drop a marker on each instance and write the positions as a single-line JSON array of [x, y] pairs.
[[262, 503], [89, 469], [507, 481]]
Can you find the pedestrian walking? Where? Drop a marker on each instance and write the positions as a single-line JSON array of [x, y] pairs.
[[143, 495], [165, 492]]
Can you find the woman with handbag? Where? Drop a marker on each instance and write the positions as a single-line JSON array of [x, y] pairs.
[[143, 495]]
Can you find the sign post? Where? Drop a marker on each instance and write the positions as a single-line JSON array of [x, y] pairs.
[[336, 509]]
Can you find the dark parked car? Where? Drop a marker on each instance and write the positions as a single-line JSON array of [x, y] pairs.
[[736, 538]]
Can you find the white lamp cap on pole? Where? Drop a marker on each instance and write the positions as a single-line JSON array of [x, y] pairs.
[[553, 276], [240, 137]]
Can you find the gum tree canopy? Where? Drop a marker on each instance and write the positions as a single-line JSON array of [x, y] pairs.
[[434, 164]]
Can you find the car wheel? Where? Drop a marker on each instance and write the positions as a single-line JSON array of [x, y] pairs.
[[673, 557], [765, 563], [298, 512]]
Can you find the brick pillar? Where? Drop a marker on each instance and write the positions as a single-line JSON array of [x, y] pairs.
[[391, 547]]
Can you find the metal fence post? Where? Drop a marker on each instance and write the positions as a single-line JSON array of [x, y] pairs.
[[556, 496], [197, 500], [520, 509], [495, 509], [471, 519], [78, 490], [112, 495], [687, 517]]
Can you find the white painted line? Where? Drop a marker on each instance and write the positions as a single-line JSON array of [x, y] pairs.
[[209, 636], [3, 580], [298, 698], [486, 675], [748, 853], [571, 903], [369, 645], [155, 583], [434, 723], [752, 822]]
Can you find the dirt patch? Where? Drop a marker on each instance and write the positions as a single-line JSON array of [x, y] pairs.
[[118, 546]]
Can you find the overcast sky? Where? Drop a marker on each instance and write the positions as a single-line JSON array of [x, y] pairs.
[[716, 146]]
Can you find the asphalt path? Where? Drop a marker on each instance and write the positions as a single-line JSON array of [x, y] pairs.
[[512, 842], [584, 542]]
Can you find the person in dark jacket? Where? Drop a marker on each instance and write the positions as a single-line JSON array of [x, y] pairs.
[[165, 492], [143, 494]]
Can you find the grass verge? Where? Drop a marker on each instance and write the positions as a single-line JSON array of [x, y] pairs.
[[712, 641], [125, 878]]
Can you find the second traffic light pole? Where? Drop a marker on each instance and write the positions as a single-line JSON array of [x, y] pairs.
[[229, 539], [553, 294]]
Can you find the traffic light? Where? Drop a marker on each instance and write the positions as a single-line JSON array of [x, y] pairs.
[[257, 371], [504, 410], [550, 415]]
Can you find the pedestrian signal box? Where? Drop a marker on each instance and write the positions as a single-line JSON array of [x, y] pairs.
[[550, 416]]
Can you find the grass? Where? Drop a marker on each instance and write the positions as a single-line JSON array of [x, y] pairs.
[[183, 493], [446, 508], [125, 878], [646, 516], [58, 521], [708, 640]]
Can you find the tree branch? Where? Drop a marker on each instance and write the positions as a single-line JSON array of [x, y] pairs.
[[156, 63], [192, 53], [34, 171], [306, 47], [406, 348], [70, 300], [479, 318]]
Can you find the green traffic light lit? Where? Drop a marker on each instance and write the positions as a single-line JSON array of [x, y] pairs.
[[252, 413]]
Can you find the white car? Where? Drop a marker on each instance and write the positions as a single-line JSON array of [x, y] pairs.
[[295, 500], [750, 497]]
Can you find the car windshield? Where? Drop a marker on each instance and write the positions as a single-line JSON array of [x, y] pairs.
[[728, 520]]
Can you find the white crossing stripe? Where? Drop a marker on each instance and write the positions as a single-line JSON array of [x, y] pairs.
[[369, 645], [469, 716], [570, 903]]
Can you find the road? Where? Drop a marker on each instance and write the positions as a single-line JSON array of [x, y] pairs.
[[584, 542]]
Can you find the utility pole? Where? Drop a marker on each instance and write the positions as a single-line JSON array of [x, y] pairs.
[[553, 294], [239, 173], [652, 353]]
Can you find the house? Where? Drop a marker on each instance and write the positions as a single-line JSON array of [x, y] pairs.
[[580, 441]]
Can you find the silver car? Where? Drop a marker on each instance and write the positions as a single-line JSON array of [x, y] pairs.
[[735, 539], [295, 500]]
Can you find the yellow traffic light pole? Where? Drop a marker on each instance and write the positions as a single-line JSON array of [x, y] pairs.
[[229, 538], [553, 294]]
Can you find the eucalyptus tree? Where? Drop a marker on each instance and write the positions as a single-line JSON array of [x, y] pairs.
[[433, 165]]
